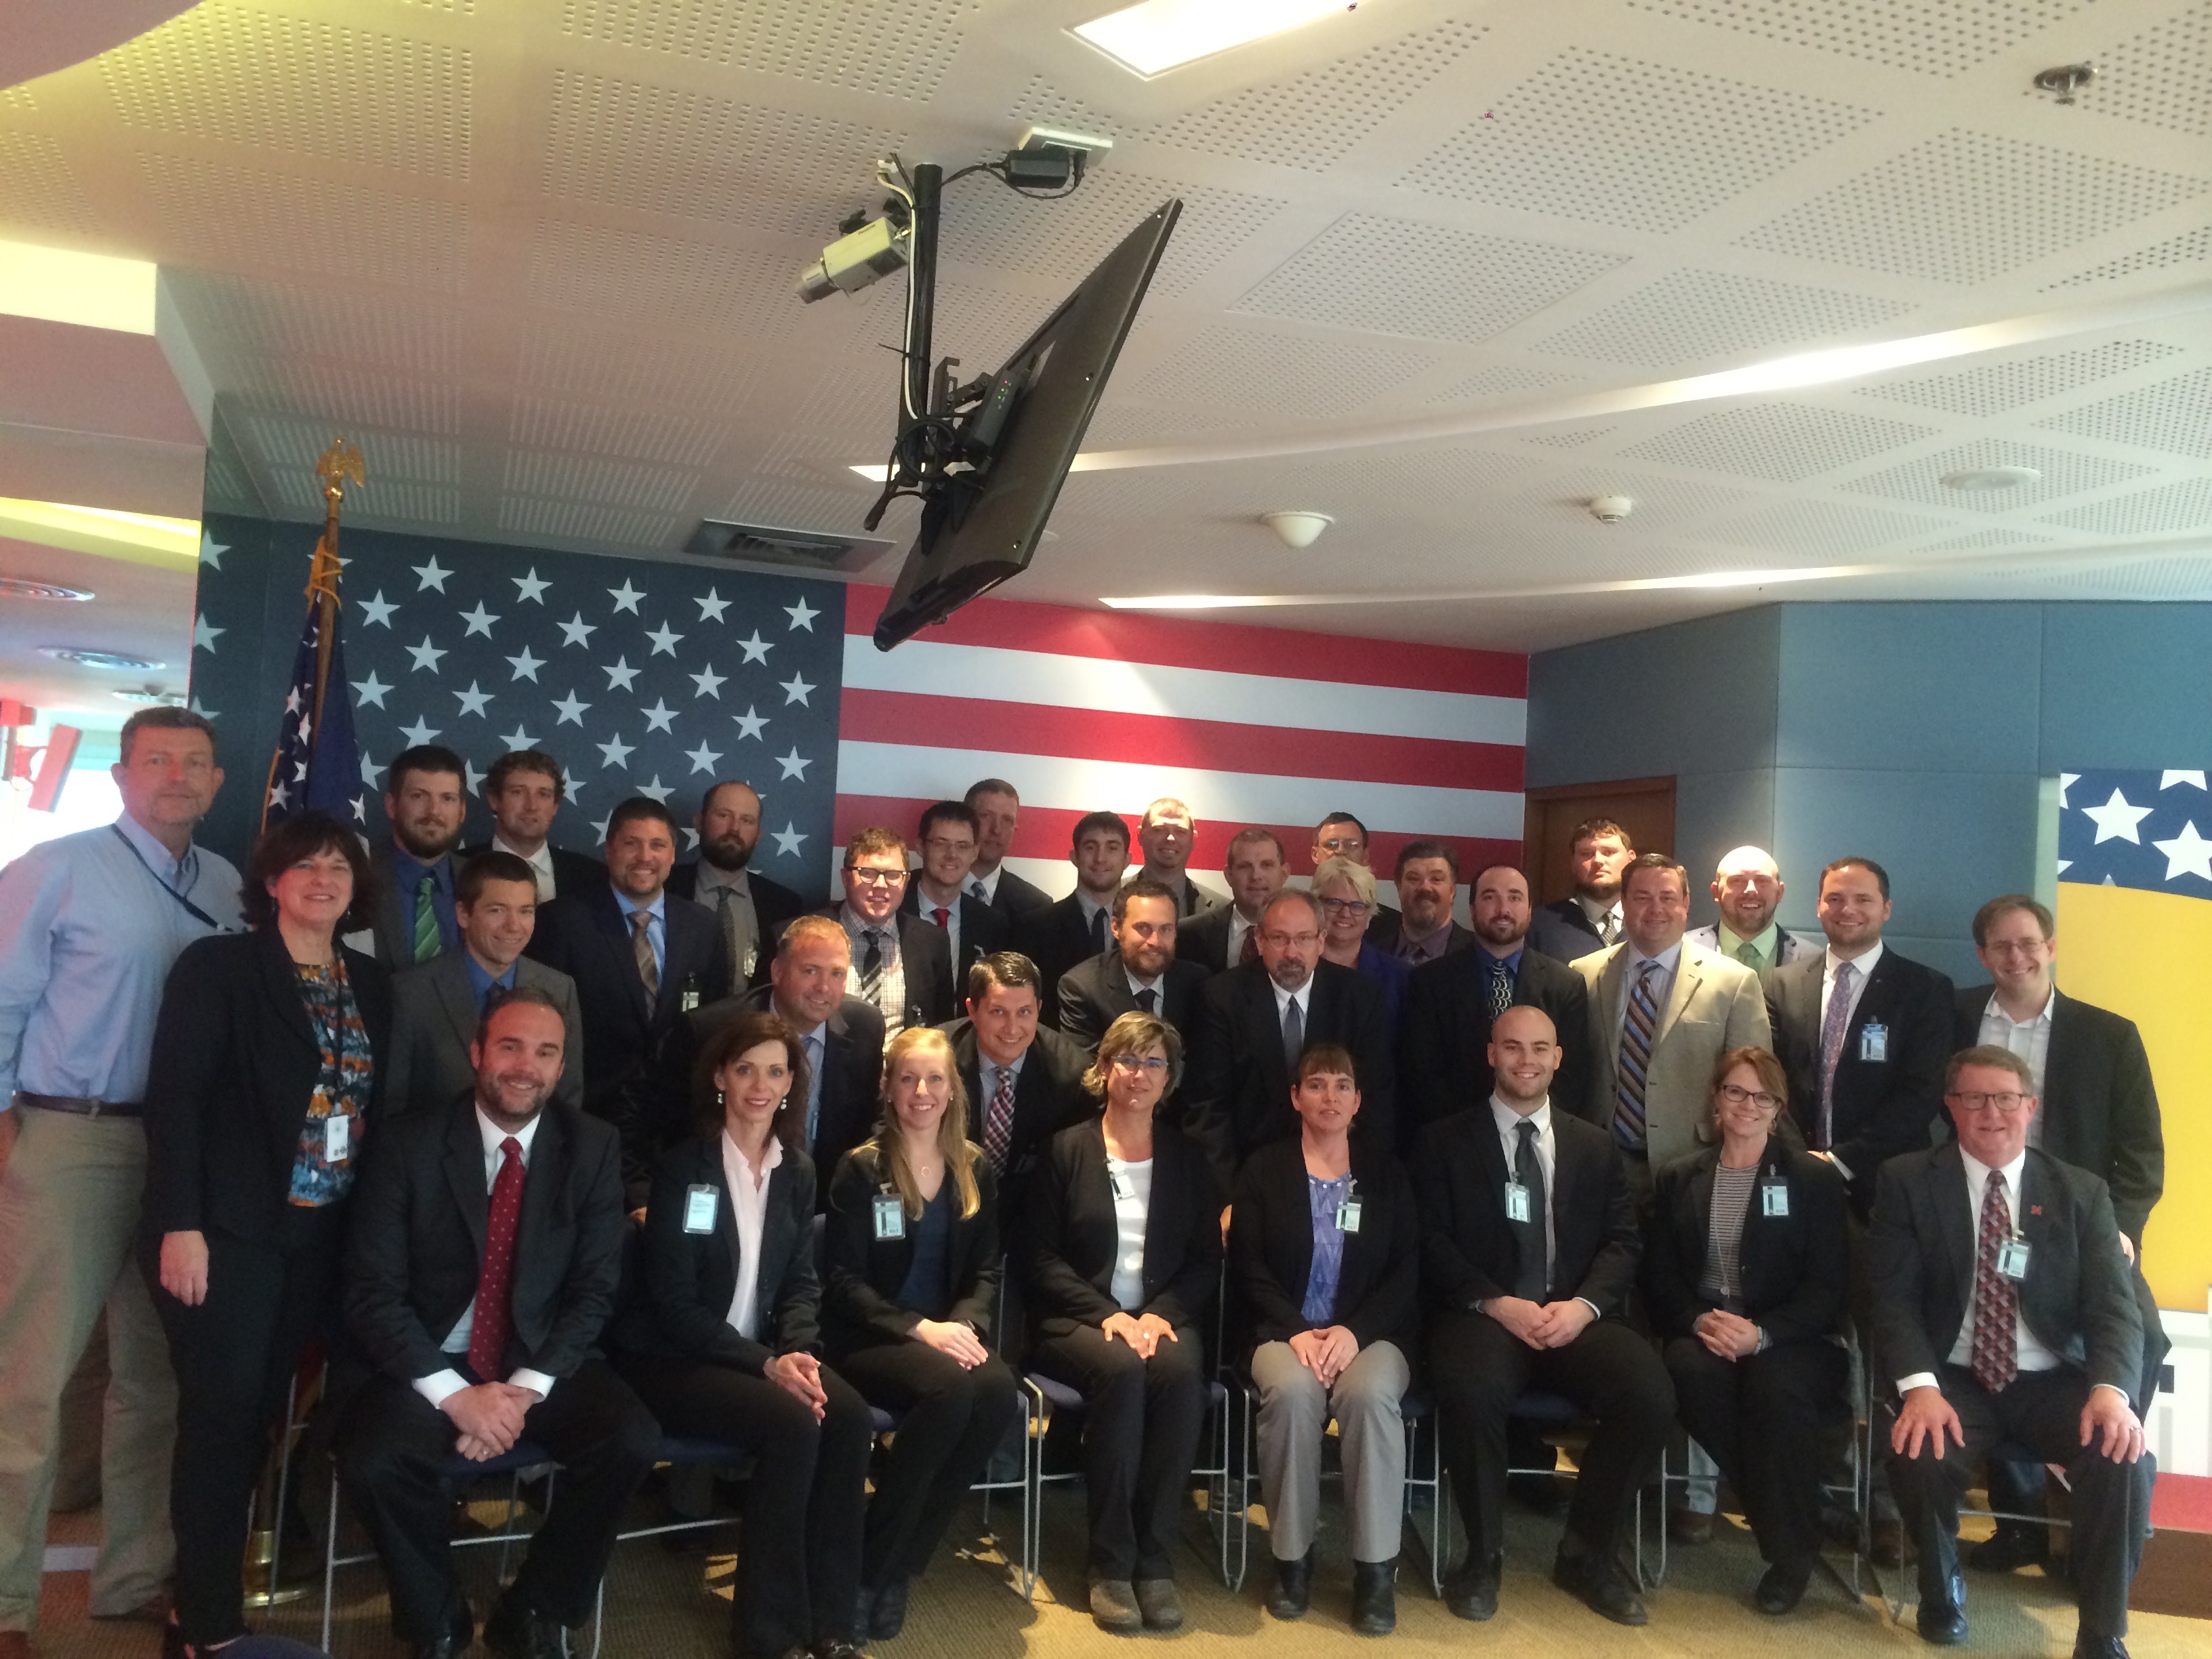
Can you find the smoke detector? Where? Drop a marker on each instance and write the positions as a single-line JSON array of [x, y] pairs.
[[1611, 509], [1297, 529]]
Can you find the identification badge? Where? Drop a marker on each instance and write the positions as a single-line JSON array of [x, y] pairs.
[[1123, 1192], [338, 1138], [699, 1209], [1347, 1216], [891, 1216], [1773, 1198], [1517, 1201], [2012, 1259], [690, 997], [1873, 1044]]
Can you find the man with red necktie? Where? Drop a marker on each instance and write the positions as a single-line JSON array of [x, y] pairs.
[[949, 834]]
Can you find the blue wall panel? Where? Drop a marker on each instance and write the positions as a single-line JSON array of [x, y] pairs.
[[2126, 685]]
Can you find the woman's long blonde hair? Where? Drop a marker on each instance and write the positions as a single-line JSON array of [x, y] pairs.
[[951, 1129]]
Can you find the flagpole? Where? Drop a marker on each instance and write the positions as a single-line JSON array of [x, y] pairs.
[[340, 462]]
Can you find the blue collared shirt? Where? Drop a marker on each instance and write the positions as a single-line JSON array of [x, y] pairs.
[[656, 930], [89, 924], [1508, 964], [481, 984], [1326, 1198], [407, 873]]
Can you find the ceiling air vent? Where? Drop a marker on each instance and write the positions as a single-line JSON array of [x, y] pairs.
[[795, 550]]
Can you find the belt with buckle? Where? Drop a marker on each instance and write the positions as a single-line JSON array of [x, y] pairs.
[[82, 1106]]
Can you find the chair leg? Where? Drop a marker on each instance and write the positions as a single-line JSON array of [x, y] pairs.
[[330, 1559]]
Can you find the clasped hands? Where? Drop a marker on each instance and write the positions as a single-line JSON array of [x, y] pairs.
[[1541, 1324], [1325, 1352], [1727, 1335], [955, 1342], [489, 1417], [1144, 1333]]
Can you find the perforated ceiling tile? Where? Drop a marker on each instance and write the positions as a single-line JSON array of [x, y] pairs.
[[1690, 316], [230, 486], [396, 501], [1570, 438], [2064, 473], [2159, 76], [1809, 527], [38, 189], [1121, 424], [2172, 416], [1986, 541], [1620, 141], [661, 149], [1965, 206], [2190, 247], [280, 320], [1501, 379], [582, 479], [233, 213], [1784, 442], [689, 373], [575, 522], [2184, 506], [1994, 388], [284, 440], [900, 48], [1276, 374], [989, 226], [646, 434], [2134, 579], [1312, 119], [622, 274], [270, 81], [1913, 34], [1043, 104], [1399, 277], [808, 507], [349, 396]]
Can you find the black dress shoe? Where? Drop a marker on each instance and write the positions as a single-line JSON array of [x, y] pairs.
[[515, 1632], [1294, 1588], [2086, 1646], [1783, 1587], [863, 1611], [1471, 1592], [1608, 1591], [1375, 1597], [2012, 1546], [890, 1611], [1942, 1619], [173, 1640]]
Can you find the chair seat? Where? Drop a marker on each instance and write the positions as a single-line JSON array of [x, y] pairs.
[[1552, 1410], [1060, 1396], [881, 1420], [1413, 1405], [687, 1452]]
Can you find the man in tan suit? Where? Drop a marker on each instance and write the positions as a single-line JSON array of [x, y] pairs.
[[1662, 1012]]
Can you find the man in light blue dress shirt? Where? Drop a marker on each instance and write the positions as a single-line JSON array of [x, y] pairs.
[[89, 924]]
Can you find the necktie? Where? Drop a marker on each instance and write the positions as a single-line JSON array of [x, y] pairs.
[[941, 915], [737, 930], [1635, 1058], [1995, 1353], [487, 1335], [872, 966], [1294, 1036], [998, 1122], [813, 1045], [426, 921], [975, 890], [1833, 1028], [1148, 1000], [1097, 933], [1608, 929], [640, 947], [1249, 951], [1534, 1282], [1501, 992], [1747, 953]]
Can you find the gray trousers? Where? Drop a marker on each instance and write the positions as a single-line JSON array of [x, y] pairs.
[[69, 1208], [1294, 1412]]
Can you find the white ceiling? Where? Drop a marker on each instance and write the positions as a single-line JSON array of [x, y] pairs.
[[539, 262]]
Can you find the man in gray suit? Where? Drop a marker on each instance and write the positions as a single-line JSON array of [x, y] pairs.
[[436, 1005], [1748, 887]]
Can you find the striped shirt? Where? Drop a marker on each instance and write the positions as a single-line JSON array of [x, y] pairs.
[[1722, 1283]]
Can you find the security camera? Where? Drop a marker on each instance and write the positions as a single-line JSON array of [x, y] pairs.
[[1611, 509], [856, 259]]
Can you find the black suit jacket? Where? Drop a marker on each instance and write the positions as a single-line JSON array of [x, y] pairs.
[[1561, 932], [1012, 898], [1070, 1237], [1271, 1248], [679, 1306], [1094, 993], [775, 908], [572, 872], [1196, 900], [1055, 938], [1237, 1091], [2099, 1108], [2077, 1297], [860, 1301], [235, 1061], [585, 936], [1470, 1253], [1048, 1096], [983, 931], [1204, 938], [1881, 1108], [1795, 1267], [392, 934], [1388, 926], [925, 957], [415, 1249], [1445, 1049]]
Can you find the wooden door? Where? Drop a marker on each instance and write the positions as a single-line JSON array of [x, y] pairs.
[[1643, 806]]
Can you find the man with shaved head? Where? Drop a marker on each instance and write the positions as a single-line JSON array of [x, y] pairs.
[[1748, 887], [1167, 832]]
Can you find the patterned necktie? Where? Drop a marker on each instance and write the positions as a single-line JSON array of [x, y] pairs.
[[975, 890], [1249, 951], [1636, 1033], [1996, 1354], [1501, 992], [1148, 1000], [1534, 1282], [1832, 1051], [872, 966], [998, 1122], [640, 947], [487, 1335], [426, 921], [736, 931], [1608, 929], [1294, 1036]]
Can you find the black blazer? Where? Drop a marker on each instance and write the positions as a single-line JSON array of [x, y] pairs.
[[1237, 1092], [416, 1250], [1386, 927], [1012, 898], [1094, 993], [1561, 932], [1470, 1253], [1055, 938], [1881, 1108], [926, 958], [983, 931], [585, 936], [775, 908], [1271, 1247], [1048, 1096], [234, 1069], [1204, 938], [1794, 1268], [679, 1308], [2099, 1108], [1444, 1054], [2077, 1297], [1070, 1238], [860, 1302], [391, 933], [572, 872]]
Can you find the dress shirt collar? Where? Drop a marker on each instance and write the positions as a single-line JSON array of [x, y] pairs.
[[1091, 907], [987, 1070], [483, 983], [1978, 1180], [407, 871], [657, 908], [1508, 1120], [1862, 965], [1302, 996], [493, 1138], [712, 876], [2041, 1016], [1427, 947], [1669, 959], [984, 885], [178, 873], [1510, 962], [738, 1168], [541, 860], [857, 927], [1136, 984], [1767, 943], [1598, 913]]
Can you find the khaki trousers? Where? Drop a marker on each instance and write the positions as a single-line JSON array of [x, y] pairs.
[[68, 1209]]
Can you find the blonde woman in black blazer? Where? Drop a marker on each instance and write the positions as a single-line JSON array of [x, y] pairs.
[[1123, 1246], [726, 1343], [913, 1281]]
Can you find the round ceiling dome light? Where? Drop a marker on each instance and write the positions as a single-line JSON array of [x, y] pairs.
[[1991, 477], [21, 587], [100, 659], [1298, 528]]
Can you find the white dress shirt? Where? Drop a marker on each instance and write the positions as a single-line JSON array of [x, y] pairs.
[[1302, 996], [929, 907], [1862, 970], [1238, 926], [438, 1385], [1132, 1187], [540, 863], [1606, 918], [2028, 1038], [1547, 1148], [749, 1205], [985, 886]]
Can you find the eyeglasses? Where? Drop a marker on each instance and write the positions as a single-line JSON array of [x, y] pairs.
[[1139, 1064], [1735, 1095], [1339, 843], [1347, 907], [1283, 941], [875, 878], [2006, 948], [2008, 1103]]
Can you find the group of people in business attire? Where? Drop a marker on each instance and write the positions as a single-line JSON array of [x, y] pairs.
[[421, 1104]]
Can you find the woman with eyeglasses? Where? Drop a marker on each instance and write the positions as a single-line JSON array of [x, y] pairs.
[[1123, 1245], [1746, 1259], [1346, 891]]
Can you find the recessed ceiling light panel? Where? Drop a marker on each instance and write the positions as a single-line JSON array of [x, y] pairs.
[[1158, 35], [1991, 477], [99, 658]]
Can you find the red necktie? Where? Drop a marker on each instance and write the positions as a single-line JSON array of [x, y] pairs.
[[943, 917], [1249, 951], [488, 1335]]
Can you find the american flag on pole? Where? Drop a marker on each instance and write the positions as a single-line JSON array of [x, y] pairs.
[[317, 763], [1082, 710]]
